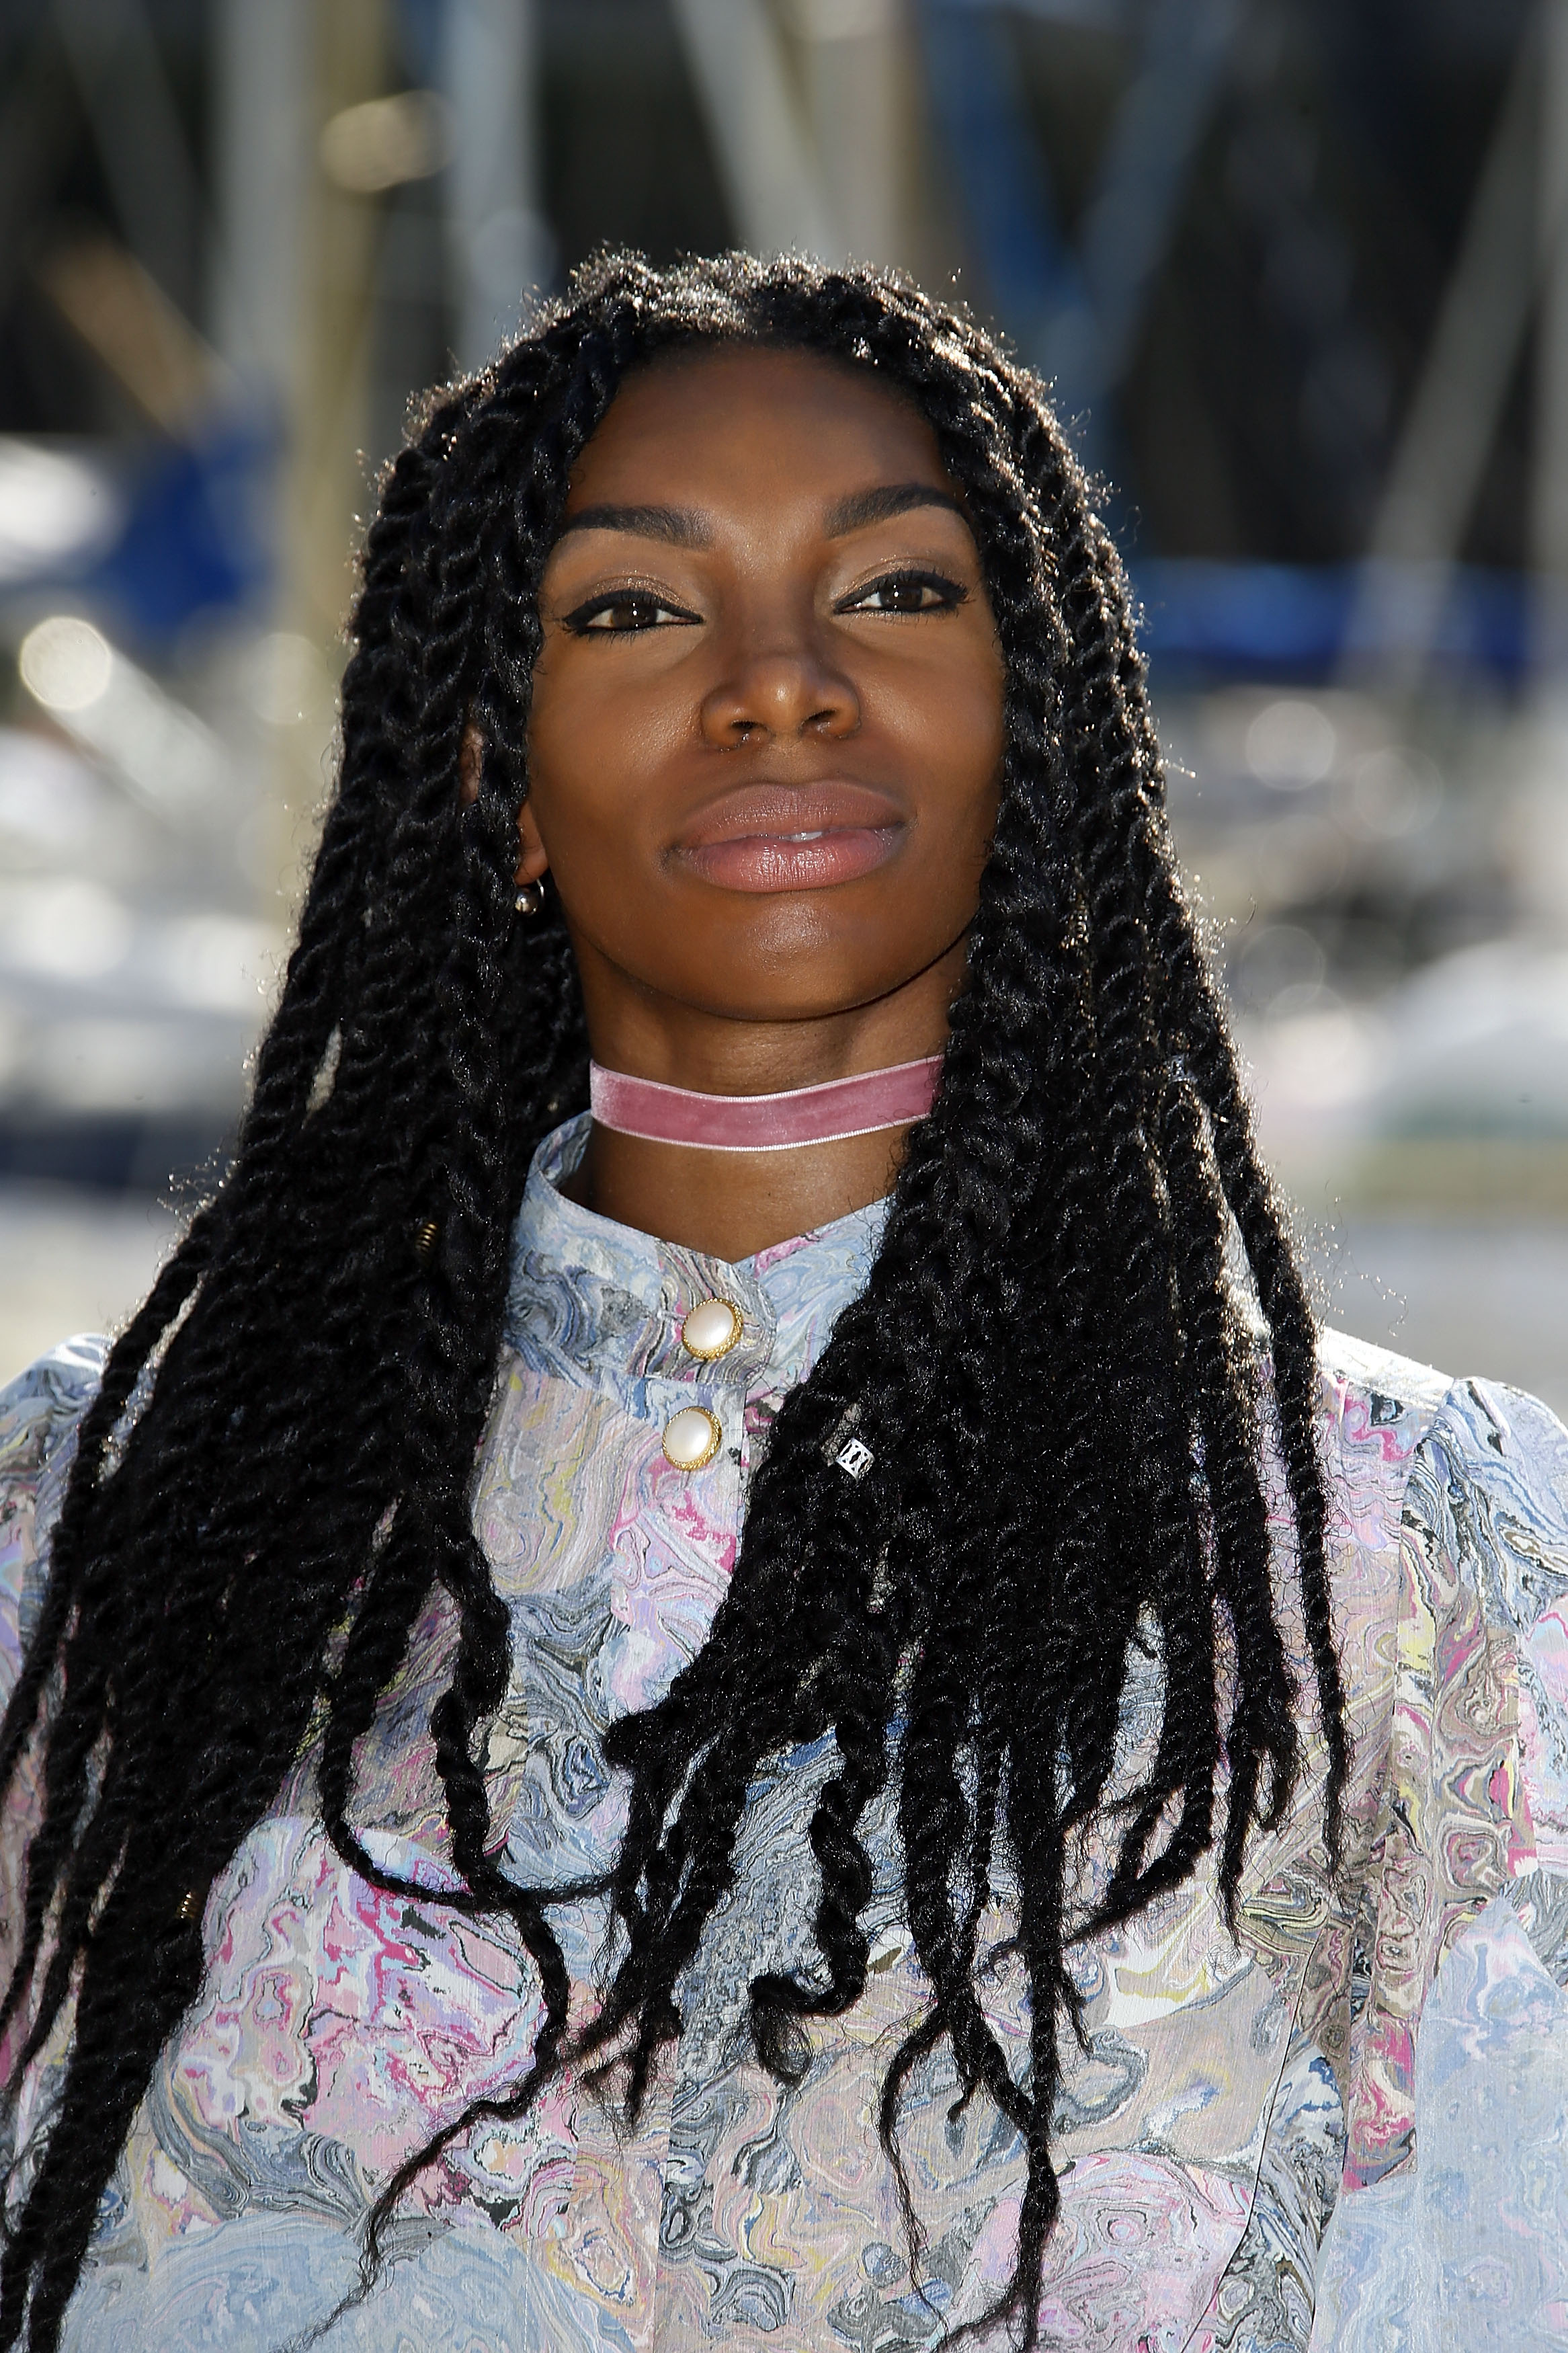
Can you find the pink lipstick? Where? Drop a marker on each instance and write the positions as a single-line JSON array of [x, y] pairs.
[[772, 838]]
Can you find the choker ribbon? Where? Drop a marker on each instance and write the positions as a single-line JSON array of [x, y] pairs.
[[781, 1122]]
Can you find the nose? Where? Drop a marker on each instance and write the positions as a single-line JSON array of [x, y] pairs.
[[779, 682]]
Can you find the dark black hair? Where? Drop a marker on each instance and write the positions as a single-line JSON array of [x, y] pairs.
[[1050, 1364]]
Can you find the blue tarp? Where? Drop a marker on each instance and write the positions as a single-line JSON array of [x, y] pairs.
[[195, 542], [1213, 621]]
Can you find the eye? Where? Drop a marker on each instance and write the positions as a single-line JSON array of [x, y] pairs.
[[622, 612], [906, 592]]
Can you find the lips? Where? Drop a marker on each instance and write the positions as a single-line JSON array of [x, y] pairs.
[[770, 837]]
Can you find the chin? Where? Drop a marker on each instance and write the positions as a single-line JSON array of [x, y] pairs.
[[805, 945], [781, 997]]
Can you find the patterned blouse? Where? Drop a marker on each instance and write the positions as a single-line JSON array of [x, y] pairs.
[[1347, 2126]]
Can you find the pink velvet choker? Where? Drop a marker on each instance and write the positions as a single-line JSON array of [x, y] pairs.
[[821, 1115]]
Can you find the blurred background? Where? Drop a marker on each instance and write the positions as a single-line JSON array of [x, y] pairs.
[[1299, 271]]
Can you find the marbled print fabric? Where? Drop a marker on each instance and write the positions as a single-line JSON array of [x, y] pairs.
[[1347, 2126]]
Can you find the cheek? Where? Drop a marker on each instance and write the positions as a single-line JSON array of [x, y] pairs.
[[977, 706], [593, 750], [573, 760], [951, 737]]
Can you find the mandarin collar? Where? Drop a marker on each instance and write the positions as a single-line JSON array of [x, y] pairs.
[[594, 1299]]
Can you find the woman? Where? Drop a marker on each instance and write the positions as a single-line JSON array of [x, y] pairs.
[[1003, 1892]]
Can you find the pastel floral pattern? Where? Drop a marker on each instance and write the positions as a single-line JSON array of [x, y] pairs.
[[1346, 2127]]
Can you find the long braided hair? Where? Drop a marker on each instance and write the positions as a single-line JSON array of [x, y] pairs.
[[1048, 1362]]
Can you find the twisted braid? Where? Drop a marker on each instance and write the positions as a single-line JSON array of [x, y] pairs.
[[1058, 1387]]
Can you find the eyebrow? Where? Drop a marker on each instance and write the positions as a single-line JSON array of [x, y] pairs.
[[676, 526], [880, 505]]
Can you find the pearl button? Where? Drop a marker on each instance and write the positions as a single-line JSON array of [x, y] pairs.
[[711, 1329], [692, 1438]]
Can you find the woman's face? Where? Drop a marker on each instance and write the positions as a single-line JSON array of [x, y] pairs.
[[767, 717]]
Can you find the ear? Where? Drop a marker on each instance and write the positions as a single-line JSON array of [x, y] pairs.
[[535, 859], [471, 760]]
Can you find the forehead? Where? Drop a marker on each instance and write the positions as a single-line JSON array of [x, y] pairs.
[[736, 429]]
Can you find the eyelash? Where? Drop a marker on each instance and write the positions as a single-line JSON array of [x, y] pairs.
[[581, 621], [949, 594]]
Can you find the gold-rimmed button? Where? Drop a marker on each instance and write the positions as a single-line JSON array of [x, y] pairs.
[[711, 1329], [692, 1437]]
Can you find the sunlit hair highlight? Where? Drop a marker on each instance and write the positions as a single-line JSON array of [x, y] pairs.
[[1049, 1362]]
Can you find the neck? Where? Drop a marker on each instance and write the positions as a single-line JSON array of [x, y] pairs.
[[731, 1205]]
